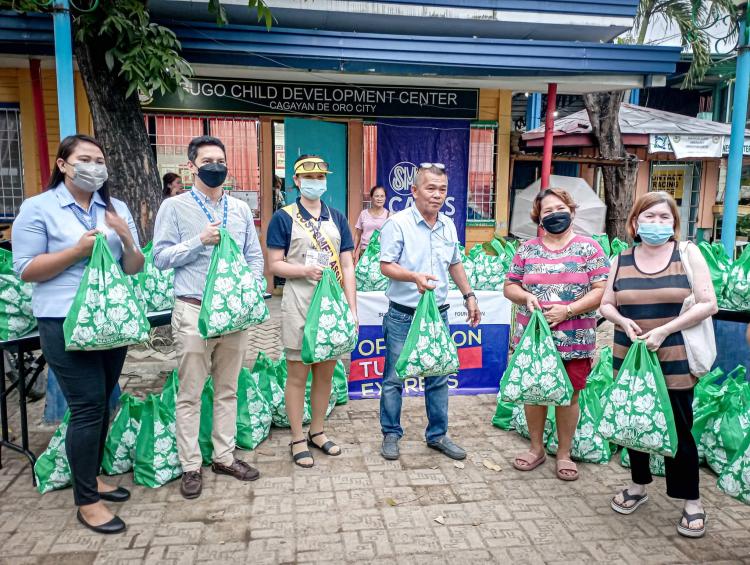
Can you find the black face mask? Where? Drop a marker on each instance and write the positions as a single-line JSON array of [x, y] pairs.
[[557, 223], [213, 174]]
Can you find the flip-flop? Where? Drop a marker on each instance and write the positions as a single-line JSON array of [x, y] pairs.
[[530, 459], [567, 465], [626, 496], [689, 532]]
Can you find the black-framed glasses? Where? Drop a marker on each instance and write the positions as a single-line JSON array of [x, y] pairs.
[[308, 166], [440, 166]]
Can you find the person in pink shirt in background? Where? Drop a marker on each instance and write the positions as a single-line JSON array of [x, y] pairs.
[[564, 275], [370, 220]]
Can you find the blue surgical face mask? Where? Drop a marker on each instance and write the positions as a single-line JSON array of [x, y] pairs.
[[655, 234], [312, 188]]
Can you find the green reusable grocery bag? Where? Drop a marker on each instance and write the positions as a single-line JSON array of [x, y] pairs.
[[725, 433], [617, 246], [106, 312], [341, 383], [588, 446], [735, 478], [51, 468], [205, 442], [429, 350], [737, 291], [156, 459], [253, 411], [168, 396], [719, 264], [536, 374], [637, 412], [16, 316], [330, 330], [519, 423], [233, 299], [655, 463], [156, 287], [367, 272], [707, 397], [119, 449], [468, 264], [489, 270], [503, 417], [603, 241]]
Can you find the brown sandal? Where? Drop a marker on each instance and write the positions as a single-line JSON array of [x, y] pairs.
[[567, 465], [531, 461]]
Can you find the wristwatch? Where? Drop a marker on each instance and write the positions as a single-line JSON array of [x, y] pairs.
[[570, 312], [469, 295]]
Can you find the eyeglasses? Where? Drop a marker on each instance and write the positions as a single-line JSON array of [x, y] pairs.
[[440, 166], [308, 166]]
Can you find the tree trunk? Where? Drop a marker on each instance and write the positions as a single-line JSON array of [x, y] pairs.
[[619, 181], [120, 127]]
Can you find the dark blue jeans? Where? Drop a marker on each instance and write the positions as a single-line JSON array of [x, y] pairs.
[[395, 328]]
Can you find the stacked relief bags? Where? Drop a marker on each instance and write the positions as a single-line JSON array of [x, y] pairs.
[[489, 269], [731, 279], [106, 312], [636, 411], [253, 411], [429, 350], [535, 374], [16, 317], [330, 330], [367, 272], [611, 248], [232, 299]]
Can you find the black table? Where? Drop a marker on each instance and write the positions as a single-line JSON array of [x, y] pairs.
[[19, 347]]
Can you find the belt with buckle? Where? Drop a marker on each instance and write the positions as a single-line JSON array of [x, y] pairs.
[[190, 300], [410, 311]]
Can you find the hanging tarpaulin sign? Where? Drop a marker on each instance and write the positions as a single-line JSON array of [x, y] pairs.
[[687, 146], [482, 351], [404, 144]]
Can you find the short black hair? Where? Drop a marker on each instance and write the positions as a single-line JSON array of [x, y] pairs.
[[198, 142]]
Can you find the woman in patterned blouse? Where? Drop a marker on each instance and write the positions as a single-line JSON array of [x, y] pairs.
[[564, 275]]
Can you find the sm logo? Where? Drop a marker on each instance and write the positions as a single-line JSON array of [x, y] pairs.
[[402, 176]]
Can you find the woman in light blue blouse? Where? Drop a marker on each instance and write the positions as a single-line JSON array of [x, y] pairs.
[[53, 236]]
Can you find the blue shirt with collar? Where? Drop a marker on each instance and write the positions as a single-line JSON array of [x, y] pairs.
[[46, 223], [408, 240]]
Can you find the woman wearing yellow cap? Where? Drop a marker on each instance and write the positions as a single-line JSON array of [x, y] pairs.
[[304, 238]]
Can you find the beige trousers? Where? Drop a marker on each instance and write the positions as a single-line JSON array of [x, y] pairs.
[[221, 357]]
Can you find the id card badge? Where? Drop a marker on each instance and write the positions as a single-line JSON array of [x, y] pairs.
[[314, 257]]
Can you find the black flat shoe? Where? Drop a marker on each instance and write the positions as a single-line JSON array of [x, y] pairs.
[[118, 495], [114, 526]]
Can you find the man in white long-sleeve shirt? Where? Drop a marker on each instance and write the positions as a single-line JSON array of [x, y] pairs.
[[187, 229]]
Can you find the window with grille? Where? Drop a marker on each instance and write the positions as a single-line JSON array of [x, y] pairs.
[[11, 162], [482, 159], [683, 181], [171, 134]]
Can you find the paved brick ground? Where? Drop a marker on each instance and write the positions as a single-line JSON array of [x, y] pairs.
[[360, 508]]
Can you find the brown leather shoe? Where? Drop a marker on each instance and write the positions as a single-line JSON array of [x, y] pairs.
[[238, 469], [191, 485]]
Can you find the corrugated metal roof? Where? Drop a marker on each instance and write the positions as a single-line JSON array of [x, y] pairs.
[[638, 120]]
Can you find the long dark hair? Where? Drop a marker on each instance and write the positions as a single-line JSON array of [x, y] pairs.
[[168, 179], [67, 146]]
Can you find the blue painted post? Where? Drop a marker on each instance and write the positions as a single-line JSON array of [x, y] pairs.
[[635, 96], [534, 111], [66, 105], [737, 140]]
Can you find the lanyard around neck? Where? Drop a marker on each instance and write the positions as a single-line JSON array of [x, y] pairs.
[[207, 213], [87, 219]]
